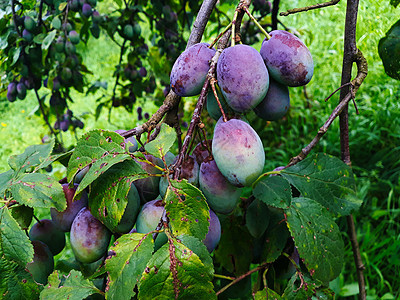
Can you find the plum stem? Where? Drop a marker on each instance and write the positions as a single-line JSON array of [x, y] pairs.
[[256, 22], [212, 83], [224, 277], [233, 37], [37, 220], [264, 175], [221, 34], [315, 6]]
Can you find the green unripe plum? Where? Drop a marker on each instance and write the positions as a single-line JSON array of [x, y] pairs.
[[74, 5], [29, 23], [131, 211], [47, 232], [67, 27], [148, 219], [221, 195], [92, 2], [89, 237], [60, 45], [70, 48], [137, 29], [63, 219], [27, 35], [238, 152], [43, 262], [74, 37], [66, 74], [128, 31]]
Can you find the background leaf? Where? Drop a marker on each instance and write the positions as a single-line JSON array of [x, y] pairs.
[[187, 209], [164, 141], [5, 180], [75, 287], [327, 180], [38, 190], [14, 243], [317, 238], [257, 218], [274, 191], [125, 268], [176, 272]]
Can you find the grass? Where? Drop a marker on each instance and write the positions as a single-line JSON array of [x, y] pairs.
[[374, 133]]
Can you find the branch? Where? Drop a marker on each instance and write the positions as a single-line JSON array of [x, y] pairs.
[[274, 14], [315, 6], [362, 68], [15, 17]]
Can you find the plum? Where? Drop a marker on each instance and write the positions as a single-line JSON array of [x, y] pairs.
[[63, 220], [21, 90], [242, 77], [29, 23], [214, 232], [86, 10], [131, 211], [190, 70], [47, 232], [275, 104], [238, 151], [43, 262], [131, 139], [287, 58], [89, 237], [148, 219], [201, 153], [27, 35], [74, 37], [212, 105], [148, 188], [221, 195]]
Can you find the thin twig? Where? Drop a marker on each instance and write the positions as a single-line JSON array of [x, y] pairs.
[[212, 82], [315, 6]]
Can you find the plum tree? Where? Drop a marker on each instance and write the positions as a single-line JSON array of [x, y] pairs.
[[148, 219], [214, 232], [89, 237], [242, 77], [190, 70], [47, 232], [287, 58], [275, 104], [221, 195], [64, 219], [42, 264], [238, 151]]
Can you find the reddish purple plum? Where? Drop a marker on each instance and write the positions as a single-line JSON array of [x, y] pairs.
[[242, 77], [47, 232], [287, 58], [42, 264], [190, 70], [89, 237], [202, 151], [64, 219], [221, 195], [275, 104], [238, 152], [214, 232]]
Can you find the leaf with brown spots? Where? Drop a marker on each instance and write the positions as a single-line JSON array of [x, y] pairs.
[[96, 145], [125, 268], [75, 287], [14, 243], [187, 209], [164, 141], [317, 238], [327, 180], [38, 190], [175, 272]]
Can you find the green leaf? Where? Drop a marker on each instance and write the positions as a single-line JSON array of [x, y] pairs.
[[200, 250], [164, 141], [274, 191], [14, 243], [267, 294], [56, 23], [5, 179], [48, 39], [23, 215], [131, 253], [257, 218], [32, 156], [187, 209], [317, 238], [101, 148], [110, 191], [175, 272], [234, 243], [327, 180], [75, 287], [295, 290], [16, 282], [38, 190], [389, 50]]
